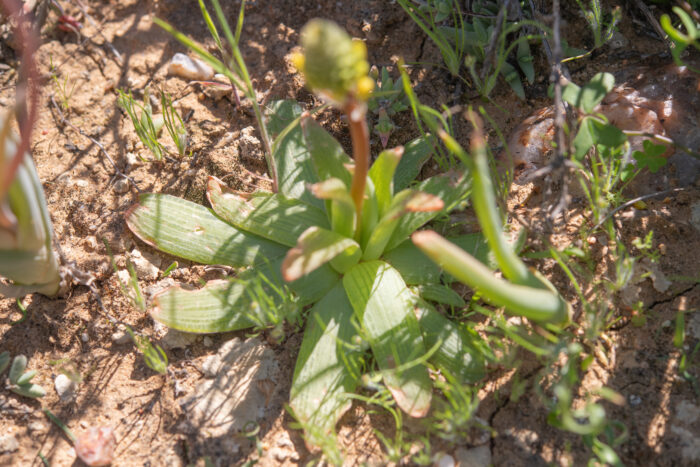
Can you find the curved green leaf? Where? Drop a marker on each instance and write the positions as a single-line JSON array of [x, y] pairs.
[[415, 154], [327, 155], [458, 353], [416, 268], [222, 306], [451, 188], [191, 231], [269, 215], [384, 307], [289, 151], [317, 246], [327, 368]]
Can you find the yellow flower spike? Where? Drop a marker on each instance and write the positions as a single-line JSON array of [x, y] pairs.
[[334, 65], [365, 86], [298, 61]]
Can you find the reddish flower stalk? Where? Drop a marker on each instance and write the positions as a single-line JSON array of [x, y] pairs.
[[359, 133], [27, 90]]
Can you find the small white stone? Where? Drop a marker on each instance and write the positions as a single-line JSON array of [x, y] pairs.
[[36, 427], [444, 460], [132, 160], [174, 339], [80, 183], [189, 68], [8, 443], [65, 387], [208, 341], [145, 265], [278, 454], [84, 337], [121, 337], [476, 457], [90, 243], [121, 186]]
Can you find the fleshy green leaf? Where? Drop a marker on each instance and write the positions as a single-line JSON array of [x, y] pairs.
[[408, 201], [416, 268], [340, 204], [591, 94], [269, 215], [510, 74], [593, 131], [384, 307], [382, 174], [415, 154], [29, 390], [525, 60], [222, 306], [317, 246], [292, 158], [542, 305], [451, 188], [327, 368], [188, 230], [327, 155], [458, 353], [441, 294], [19, 364], [584, 138]]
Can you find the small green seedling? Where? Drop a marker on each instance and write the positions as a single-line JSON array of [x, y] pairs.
[[387, 100], [148, 126], [64, 91], [682, 40], [482, 45], [20, 381], [173, 123]]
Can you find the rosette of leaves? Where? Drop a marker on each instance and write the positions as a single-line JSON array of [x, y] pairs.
[[20, 380], [336, 237], [386, 101]]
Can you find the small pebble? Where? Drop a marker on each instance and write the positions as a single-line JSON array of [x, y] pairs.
[[444, 460], [80, 183], [634, 400], [145, 265], [121, 337], [132, 160], [36, 427], [65, 387], [208, 341], [189, 68], [8, 443], [279, 454], [96, 446], [84, 337], [90, 243], [121, 186]]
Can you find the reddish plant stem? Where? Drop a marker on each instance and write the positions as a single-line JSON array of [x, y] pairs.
[[359, 133], [27, 91]]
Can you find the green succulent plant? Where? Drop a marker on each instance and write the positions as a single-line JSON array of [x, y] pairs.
[[334, 238], [20, 381], [27, 258]]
